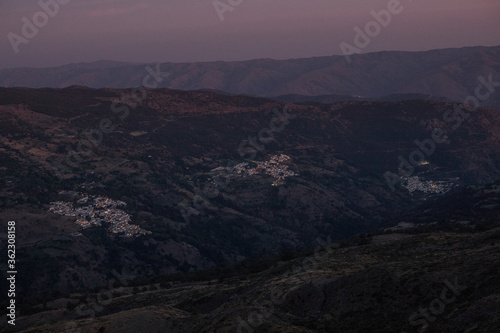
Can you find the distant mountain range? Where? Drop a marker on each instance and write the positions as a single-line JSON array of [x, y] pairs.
[[449, 74]]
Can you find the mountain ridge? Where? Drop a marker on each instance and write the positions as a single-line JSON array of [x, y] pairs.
[[444, 73]]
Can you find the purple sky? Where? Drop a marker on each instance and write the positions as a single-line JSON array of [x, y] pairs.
[[191, 30]]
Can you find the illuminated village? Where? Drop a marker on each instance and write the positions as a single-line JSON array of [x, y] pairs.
[[93, 210], [276, 167], [414, 183]]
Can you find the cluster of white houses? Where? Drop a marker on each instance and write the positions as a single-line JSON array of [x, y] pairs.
[[93, 210], [414, 183], [276, 166]]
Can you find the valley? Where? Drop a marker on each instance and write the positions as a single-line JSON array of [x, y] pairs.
[[168, 192]]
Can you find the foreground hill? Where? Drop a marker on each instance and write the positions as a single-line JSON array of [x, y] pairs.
[[172, 163], [446, 73], [406, 282]]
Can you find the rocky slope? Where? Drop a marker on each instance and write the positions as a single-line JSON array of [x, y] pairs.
[[407, 282]]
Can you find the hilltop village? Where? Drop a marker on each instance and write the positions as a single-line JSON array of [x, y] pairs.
[[94, 210], [276, 167]]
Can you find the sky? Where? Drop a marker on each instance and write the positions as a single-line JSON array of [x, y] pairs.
[[72, 31]]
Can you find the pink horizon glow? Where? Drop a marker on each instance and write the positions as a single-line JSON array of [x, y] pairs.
[[190, 30]]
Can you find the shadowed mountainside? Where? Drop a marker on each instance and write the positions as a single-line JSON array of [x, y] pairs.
[[433, 281], [158, 155]]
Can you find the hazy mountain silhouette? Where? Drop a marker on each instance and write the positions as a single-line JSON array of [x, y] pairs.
[[444, 73]]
